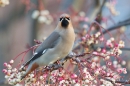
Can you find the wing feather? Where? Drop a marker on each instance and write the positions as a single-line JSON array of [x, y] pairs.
[[50, 42]]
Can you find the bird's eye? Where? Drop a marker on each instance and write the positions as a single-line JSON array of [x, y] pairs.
[[68, 18], [60, 19]]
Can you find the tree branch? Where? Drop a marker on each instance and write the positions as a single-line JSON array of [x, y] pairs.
[[123, 23], [125, 48], [123, 82]]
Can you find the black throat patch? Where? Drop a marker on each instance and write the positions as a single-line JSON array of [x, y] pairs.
[[64, 23]]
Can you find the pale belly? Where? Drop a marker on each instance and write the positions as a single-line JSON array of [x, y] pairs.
[[53, 55]]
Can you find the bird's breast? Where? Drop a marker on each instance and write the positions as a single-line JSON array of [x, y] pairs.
[[64, 47]]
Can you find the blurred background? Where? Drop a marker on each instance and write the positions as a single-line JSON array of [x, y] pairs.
[[22, 21]]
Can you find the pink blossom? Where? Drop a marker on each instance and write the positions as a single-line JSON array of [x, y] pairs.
[[119, 70], [83, 38], [4, 71], [5, 64], [11, 61], [103, 50], [73, 76]]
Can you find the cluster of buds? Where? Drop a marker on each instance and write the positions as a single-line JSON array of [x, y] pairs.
[[91, 39], [111, 70], [115, 48], [4, 2], [90, 73], [12, 75], [111, 7], [82, 17], [42, 16], [105, 74], [95, 69], [106, 83]]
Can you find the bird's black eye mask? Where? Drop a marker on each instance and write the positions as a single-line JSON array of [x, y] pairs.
[[60, 19], [64, 18]]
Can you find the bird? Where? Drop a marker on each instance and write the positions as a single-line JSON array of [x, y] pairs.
[[55, 47]]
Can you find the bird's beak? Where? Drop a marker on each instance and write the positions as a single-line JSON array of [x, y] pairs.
[[64, 23]]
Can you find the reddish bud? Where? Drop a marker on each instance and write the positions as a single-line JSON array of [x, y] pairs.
[[4, 71], [5, 64], [83, 38], [11, 61], [60, 78], [73, 76], [101, 39], [103, 50]]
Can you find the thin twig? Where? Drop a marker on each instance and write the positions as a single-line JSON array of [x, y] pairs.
[[125, 48], [123, 82], [123, 23]]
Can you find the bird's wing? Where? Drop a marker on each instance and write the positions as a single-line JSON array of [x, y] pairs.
[[49, 42]]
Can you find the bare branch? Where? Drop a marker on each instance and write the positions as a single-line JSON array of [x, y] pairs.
[[125, 48], [123, 82], [123, 23]]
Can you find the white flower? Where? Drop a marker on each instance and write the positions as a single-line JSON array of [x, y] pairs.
[[73, 81], [23, 72], [18, 85], [95, 81], [42, 16], [108, 42], [44, 12], [82, 14], [95, 58], [95, 53], [42, 19], [77, 84], [96, 42], [104, 67], [122, 29], [121, 44], [106, 83], [112, 39], [112, 9], [18, 80], [85, 70], [63, 81], [123, 62], [9, 66], [6, 76], [19, 76], [31, 75], [98, 49], [93, 65], [12, 75], [97, 72], [4, 2], [119, 51], [115, 62], [87, 81], [35, 14], [41, 77], [14, 70], [85, 26], [9, 71], [11, 61], [98, 33]]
